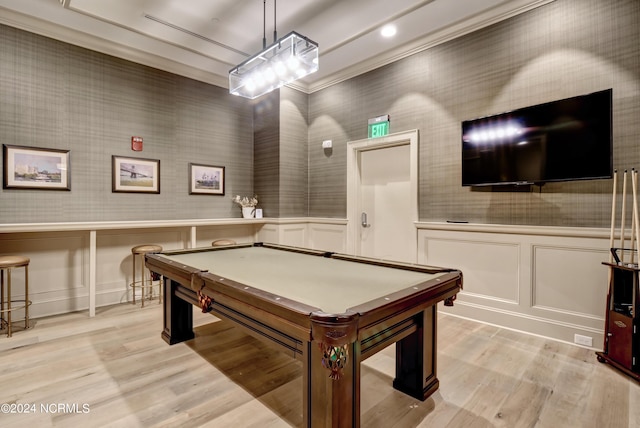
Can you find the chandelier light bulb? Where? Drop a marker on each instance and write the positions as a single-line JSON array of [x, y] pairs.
[[270, 75], [293, 62], [280, 68]]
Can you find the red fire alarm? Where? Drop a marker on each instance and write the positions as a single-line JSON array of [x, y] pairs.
[[136, 144]]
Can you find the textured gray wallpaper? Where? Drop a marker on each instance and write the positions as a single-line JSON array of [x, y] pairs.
[[560, 50], [280, 147], [267, 153], [294, 127], [55, 95]]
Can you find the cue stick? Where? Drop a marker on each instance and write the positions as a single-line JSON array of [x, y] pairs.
[[635, 203], [613, 214], [634, 212], [613, 227], [624, 209]]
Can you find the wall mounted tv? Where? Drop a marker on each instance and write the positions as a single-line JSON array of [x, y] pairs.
[[569, 139]]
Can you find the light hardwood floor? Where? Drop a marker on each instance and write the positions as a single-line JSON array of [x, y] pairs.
[[115, 370]]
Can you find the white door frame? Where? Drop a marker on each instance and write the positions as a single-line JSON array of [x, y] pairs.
[[354, 208]]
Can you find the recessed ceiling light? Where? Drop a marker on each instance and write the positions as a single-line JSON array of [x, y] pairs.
[[388, 30]]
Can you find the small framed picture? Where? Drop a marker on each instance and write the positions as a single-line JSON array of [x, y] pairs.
[[36, 168], [206, 179], [135, 175]]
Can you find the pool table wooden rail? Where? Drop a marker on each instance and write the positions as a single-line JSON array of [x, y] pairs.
[[280, 334]]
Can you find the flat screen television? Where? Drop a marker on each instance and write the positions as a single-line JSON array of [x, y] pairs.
[[569, 139]]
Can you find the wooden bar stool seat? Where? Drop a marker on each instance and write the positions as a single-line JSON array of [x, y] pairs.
[[7, 303], [148, 280]]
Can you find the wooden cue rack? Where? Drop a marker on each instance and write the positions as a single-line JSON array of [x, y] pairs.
[[622, 320]]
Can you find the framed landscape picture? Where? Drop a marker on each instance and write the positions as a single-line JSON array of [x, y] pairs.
[[135, 175], [36, 168], [206, 179]]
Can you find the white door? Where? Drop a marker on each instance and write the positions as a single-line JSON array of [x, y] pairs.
[[382, 197], [385, 192]]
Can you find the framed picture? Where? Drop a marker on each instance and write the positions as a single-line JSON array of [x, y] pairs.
[[206, 179], [36, 168], [135, 175]]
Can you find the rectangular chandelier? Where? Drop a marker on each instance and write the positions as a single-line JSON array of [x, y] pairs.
[[289, 58]]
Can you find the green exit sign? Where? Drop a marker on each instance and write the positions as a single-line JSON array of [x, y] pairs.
[[379, 126]]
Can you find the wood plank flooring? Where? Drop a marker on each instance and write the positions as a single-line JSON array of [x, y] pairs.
[[115, 370]]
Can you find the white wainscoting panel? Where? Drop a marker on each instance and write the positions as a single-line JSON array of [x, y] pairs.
[[293, 234], [569, 279], [269, 233], [286, 232], [328, 237], [544, 281], [491, 269]]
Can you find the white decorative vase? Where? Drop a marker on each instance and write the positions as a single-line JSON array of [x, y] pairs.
[[248, 212]]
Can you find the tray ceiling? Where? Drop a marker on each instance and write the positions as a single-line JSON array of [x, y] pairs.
[[203, 39]]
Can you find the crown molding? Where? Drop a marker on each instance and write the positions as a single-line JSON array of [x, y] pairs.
[[78, 38]]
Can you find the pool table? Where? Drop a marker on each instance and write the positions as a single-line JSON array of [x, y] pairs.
[[328, 310]]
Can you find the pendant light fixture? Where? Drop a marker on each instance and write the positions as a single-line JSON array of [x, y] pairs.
[[287, 59]]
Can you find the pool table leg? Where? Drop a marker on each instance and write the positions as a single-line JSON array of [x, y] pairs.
[[416, 358], [327, 402], [178, 315]]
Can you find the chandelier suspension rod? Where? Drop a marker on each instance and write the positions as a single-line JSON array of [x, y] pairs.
[[275, 33], [284, 61], [264, 24]]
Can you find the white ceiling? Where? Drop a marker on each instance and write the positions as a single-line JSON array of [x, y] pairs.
[[204, 39]]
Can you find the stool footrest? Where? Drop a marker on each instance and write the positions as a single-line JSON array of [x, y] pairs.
[[147, 284], [146, 290], [16, 308]]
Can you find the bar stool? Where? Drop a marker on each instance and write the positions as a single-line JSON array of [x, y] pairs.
[[7, 263], [139, 251], [223, 242]]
